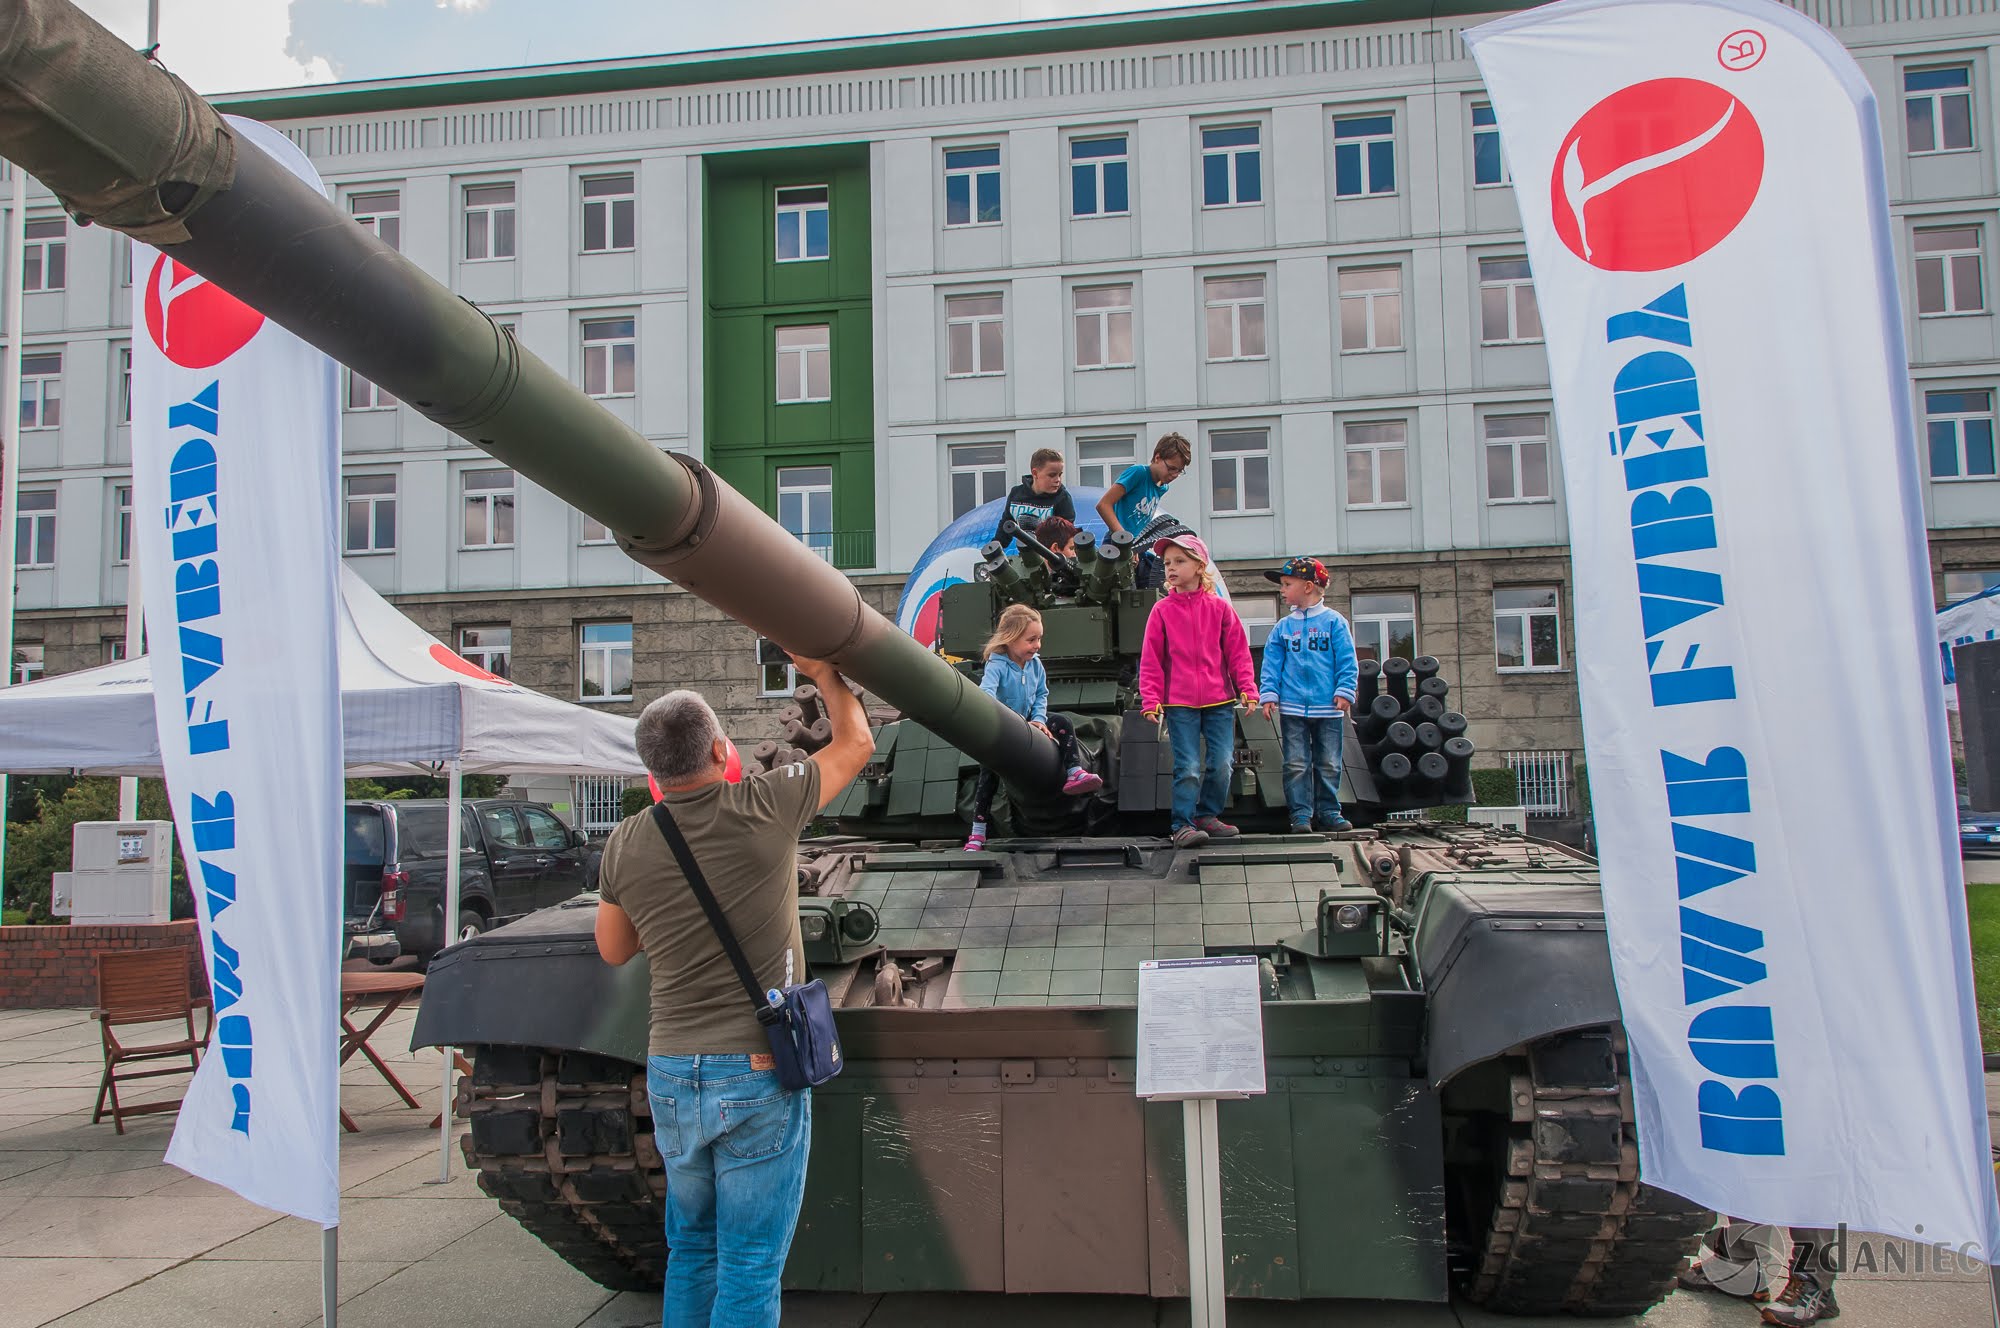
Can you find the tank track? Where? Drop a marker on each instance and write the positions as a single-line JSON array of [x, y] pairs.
[[564, 1140], [1572, 1228]]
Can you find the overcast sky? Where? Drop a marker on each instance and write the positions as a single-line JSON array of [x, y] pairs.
[[238, 45]]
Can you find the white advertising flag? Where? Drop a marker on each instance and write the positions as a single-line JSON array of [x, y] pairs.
[[235, 455], [1703, 194]]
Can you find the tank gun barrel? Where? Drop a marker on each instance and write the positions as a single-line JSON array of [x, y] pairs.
[[127, 145]]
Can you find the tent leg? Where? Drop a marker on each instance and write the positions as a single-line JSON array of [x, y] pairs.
[[454, 804], [329, 1276]]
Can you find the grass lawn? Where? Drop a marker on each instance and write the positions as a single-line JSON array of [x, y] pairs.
[[1983, 909]]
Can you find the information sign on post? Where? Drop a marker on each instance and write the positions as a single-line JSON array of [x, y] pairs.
[[1201, 1038]]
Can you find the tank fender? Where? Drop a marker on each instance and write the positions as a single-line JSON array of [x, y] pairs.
[[1504, 963], [531, 984]]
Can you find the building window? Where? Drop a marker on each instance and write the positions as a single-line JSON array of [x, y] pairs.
[[28, 661], [35, 528], [1959, 427], [804, 232], [124, 384], [1103, 327], [1507, 308], [805, 506], [1257, 610], [1364, 155], [1232, 166], [1527, 630], [1489, 165], [121, 545], [1376, 472], [111, 648], [1965, 583], [972, 186], [45, 255], [489, 509], [1517, 458], [1235, 317], [1385, 625], [488, 648], [610, 356], [489, 221], [599, 801], [609, 213], [124, 243], [1542, 780], [594, 531], [777, 678], [381, 214], [365, 395], [1100, 461], [1371, 308], [1949, 279], [978, 476], [1097, 177], [975, 335], [371, 513], [41, 389], [1239, 470], [805, 370], [1937, 109], [604, 661]]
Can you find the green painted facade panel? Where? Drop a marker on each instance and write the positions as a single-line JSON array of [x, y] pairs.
[[748, 296]]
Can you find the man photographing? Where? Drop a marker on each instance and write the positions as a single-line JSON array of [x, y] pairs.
[[733, 1140]]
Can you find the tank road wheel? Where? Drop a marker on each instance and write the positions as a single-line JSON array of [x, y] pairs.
[[564, 1141], [1545, 1207]]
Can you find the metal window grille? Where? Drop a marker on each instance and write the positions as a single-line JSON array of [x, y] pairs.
[[1544, 780], [597, 799]]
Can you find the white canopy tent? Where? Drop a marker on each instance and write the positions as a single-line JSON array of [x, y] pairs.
[[408, 706]]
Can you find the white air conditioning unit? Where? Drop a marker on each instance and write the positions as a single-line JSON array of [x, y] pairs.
[[1511, 818], [120, 872]]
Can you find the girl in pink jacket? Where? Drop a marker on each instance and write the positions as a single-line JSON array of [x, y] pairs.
[[1193, 669]]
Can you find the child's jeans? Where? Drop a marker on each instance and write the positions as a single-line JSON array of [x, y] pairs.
[[1312, 767], [1065, 735], [1201, 786]]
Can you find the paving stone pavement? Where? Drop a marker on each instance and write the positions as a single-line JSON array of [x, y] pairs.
[[97, 1232]]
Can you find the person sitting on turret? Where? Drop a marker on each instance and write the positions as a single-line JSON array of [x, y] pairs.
[[1308, 684], [1134, 498], [1039, 496], [1193, 667], [1014, 676], [1058, 535]]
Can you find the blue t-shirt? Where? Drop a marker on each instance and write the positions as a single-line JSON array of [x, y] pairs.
[[1142, 496]]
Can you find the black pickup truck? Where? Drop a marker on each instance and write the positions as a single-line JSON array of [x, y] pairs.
[[514, 857]]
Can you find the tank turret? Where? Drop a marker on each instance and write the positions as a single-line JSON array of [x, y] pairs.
[[127, 145]]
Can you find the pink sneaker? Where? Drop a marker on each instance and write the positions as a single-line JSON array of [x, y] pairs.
[[976, 840], [1081, 781]]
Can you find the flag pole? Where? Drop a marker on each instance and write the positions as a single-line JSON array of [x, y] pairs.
[[10, 449], [135, 612], [454, 801]]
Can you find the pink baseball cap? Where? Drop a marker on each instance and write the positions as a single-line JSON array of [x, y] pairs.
[[1190, 542]]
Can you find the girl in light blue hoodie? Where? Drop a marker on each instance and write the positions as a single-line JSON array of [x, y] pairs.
[[1014, 676]]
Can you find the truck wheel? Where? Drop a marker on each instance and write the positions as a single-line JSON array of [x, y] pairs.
[[470, 923]]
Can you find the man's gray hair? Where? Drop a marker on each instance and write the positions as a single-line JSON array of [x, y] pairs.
[[676, 737]]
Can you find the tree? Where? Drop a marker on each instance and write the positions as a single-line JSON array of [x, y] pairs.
[[37, 848]]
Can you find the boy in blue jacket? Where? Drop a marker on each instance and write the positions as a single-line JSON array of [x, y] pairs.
[[1308, 685]]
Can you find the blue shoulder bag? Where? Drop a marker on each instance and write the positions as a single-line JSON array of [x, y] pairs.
[[798, 1020]]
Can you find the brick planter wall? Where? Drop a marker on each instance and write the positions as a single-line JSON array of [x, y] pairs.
[[50, 967]]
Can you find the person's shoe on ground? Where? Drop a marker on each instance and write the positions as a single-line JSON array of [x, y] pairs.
[[1743, 1283], [1190, 836], [977, 839], [1216, 827], [1805, 1300], [1081, 781]]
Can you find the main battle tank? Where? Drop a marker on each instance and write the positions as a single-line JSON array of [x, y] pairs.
[[1448, 1102]]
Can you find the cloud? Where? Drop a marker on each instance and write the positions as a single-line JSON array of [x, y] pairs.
[[218, 45]]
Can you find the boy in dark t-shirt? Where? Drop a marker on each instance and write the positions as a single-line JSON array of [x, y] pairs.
[[1040, 494]]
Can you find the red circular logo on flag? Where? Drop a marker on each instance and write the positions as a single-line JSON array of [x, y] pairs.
[[194, 322], [1656, 175]]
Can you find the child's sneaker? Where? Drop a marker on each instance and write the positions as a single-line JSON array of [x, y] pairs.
[[1332, 824], [1805, 1300], [1081, 781], [1302, 827], [1217, 827], [977, 839], [1190, 836]]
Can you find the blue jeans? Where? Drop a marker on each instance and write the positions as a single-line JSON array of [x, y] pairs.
[[1312, 767], [735, 1147], [1201, 786]]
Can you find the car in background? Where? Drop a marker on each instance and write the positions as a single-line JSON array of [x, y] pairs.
[[514, 857], [1978, 832]]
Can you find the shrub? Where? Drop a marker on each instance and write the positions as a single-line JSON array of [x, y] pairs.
[[634, 800], [38, 848]]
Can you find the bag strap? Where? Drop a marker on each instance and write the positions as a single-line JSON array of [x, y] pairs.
[[677, 843]]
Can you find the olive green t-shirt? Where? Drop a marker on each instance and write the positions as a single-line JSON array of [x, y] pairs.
[[745, 839]]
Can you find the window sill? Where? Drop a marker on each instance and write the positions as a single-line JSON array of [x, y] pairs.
[[485, 548], [366, 410], [1378, 507], [366, 553], [1239, 359], [1098, 216], [597, 544], [497, 258], [1516, 341], [1096, 368], [1362, 198], [1372, 350], [603, 700], [996, 373], [1943, 152], [611, 396], [1494, 184], [34, 567], [787, 401], [1223, 207], [804, 258], [972, 225], [593, 253], [1923, 317], [1528, 669], [1248, 511], [1964, 479], [1546, 500]]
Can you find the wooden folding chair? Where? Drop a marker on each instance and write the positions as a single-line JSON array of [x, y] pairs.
[[145, 987]]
